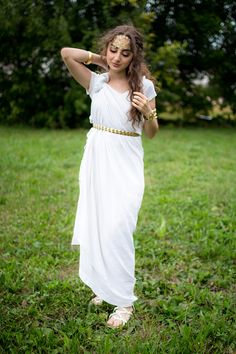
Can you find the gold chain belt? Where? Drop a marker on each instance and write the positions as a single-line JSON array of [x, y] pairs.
[[113, 130]]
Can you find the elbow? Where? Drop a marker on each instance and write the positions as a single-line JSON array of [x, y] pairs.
[[151, 136], [64, 53]]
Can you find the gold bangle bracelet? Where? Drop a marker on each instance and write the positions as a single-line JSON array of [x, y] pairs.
[[89, 61], [152, 115]]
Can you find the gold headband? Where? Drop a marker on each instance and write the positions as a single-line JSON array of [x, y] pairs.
[[122, 42]]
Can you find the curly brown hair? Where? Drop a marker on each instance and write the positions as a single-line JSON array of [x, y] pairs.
[[136, 69]]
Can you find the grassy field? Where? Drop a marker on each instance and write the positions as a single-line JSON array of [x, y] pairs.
[[185, 247]]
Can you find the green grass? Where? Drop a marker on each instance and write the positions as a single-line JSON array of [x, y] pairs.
[[185, 244]]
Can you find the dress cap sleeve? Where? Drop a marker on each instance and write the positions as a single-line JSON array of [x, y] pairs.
[[97, 81], [149, 88]]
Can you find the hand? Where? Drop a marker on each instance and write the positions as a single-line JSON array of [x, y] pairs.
[[141, 102]]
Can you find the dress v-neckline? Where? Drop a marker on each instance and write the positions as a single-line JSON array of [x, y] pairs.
[[121, 93]]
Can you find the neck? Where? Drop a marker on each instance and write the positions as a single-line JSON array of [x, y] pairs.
[[113, 75]]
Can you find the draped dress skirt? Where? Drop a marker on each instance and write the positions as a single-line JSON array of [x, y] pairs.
[[111, 183]]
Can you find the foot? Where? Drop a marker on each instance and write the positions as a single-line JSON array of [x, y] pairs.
[[119, 317], [96, 301]]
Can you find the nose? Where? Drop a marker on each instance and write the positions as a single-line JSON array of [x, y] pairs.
[[117, 57]]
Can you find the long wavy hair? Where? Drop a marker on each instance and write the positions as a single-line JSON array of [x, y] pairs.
[[137, 67]]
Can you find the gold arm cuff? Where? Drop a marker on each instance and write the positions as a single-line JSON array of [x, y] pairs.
[[89, 61]]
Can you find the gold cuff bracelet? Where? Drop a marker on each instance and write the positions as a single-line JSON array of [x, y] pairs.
[[89, 61], [152, 115]]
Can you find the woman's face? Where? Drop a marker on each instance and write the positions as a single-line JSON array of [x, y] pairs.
[[119, 54]]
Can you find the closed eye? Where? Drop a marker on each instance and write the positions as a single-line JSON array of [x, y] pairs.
[[124, 54]]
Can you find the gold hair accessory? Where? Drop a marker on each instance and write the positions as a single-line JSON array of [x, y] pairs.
[[152, 115], [122, 42], [89, 61]]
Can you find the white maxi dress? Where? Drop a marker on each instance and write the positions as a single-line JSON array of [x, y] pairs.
[[111, 181]]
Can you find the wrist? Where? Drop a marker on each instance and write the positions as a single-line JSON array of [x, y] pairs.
[[151, 115], [148, 112]]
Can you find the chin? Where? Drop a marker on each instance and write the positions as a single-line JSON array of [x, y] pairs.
[[119, 69]]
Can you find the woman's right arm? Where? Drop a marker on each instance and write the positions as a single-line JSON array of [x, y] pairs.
[[74, 59]]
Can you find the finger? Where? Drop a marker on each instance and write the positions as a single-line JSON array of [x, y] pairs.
[[142, 99], [135, 103], [136, 99], [140, 103], [136, 106], [140, 94], [139, 99]]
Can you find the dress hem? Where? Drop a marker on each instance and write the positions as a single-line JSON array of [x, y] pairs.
[[102, 295]]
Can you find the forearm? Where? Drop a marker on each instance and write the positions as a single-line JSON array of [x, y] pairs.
[[81, 56], [150, 128]]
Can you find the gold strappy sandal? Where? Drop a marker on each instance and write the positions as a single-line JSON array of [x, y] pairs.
[[121, 314]]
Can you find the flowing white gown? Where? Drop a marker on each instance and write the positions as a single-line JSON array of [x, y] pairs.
[[111, 181]]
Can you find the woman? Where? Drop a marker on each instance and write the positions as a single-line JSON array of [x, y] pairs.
[[111, 174]]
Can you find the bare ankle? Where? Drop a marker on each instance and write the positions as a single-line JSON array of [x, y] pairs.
[[129, 308]]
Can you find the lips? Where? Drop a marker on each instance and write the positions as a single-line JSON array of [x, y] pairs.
[[116, 65]]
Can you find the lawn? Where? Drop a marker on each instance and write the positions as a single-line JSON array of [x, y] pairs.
[[184, 241]]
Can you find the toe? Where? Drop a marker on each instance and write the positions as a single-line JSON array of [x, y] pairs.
[[110, 322], [117, 323], [114, 323]]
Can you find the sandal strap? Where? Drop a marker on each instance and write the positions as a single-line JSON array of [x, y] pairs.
[[118, 312], [97, 300], [122, 310], [117, 316]]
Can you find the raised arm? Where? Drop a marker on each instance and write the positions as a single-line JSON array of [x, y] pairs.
[[74, 59]]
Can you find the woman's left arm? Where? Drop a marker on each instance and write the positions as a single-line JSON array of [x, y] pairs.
[[140, 102], [151, 127]]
